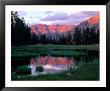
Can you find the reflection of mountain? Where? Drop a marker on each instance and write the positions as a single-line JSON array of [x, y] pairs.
[[52, 64], [52, 60]]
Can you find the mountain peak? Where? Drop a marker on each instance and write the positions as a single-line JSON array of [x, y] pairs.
[[93, 19], [44, 29]]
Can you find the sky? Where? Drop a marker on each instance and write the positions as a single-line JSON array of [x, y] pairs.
[[56, 17]]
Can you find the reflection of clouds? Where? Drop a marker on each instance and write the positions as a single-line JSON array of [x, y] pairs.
[[53, 67], [47, 67], [33, 69]]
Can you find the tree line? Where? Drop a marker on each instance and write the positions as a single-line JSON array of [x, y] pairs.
[[21, 35]]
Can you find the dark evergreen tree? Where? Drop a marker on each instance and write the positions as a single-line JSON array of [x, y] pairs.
[[87, 35], [77, 36], [92, 35], [97, 36], [69, 38], [43, 39], [20, 32], [34, 39]]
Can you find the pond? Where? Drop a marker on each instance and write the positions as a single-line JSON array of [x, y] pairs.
[[49, 64]]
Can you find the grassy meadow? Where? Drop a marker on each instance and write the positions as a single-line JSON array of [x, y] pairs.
[[85, 71], [54, 50]]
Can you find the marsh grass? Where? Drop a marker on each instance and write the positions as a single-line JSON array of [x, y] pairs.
[[85, 71], [53, 50], [23, 70]]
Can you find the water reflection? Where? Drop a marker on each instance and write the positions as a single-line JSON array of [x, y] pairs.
[[51, 64]]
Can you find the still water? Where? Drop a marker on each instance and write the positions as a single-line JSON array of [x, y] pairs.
[[50, 64]]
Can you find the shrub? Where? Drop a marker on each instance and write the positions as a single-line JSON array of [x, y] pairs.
[[23, 70], [39, 68]]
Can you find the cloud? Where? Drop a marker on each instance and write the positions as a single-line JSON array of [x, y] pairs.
[[90, 13], [72, 18], [55, 16], [21, 13], [70, 21], [84, 14], [49, 12]]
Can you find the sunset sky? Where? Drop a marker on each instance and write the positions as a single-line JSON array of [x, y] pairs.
[[56, 17]]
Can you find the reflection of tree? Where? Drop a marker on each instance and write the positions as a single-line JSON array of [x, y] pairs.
[[56, 61], [37, 59], [33, 67], [47, 58]]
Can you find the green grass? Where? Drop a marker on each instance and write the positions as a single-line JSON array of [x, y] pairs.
[[85, 71], [54, 50], [23, 70]]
